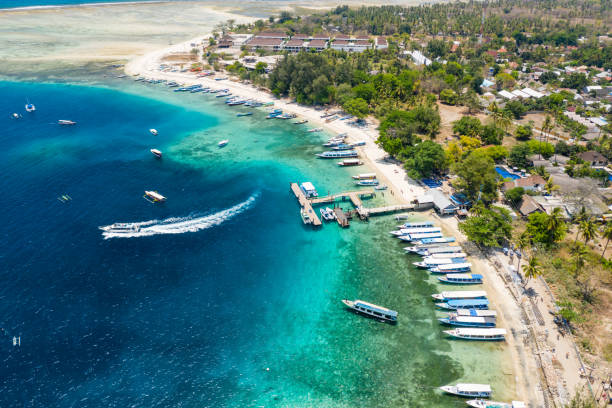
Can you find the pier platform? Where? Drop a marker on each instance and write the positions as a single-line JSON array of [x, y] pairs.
[[341, 217], [306, 206]]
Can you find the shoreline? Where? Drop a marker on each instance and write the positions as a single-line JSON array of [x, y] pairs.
[[401, 188]]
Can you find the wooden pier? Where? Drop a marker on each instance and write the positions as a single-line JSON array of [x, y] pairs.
[[343, 217], [306, 206]]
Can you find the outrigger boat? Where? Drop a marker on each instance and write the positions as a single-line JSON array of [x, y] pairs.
[[154, 197], [449, 249], [421, 249], [432, 262], [65, 122], [478, 403], [244, 114], [418, 236], [371, 310], [342, 146], [350, 162], [468, 321], [452, 268], [473, 312], [367, 183], [424, 224], [315, 130], [337, 155], [477, 334], [461, 278], [464, 304], [156, 153], [300, 122], [416, 230], [468, 390], [365, 176]]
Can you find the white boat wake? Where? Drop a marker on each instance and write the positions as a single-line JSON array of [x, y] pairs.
[[176, 225]]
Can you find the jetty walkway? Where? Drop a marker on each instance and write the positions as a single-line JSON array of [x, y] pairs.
[[306, 205]]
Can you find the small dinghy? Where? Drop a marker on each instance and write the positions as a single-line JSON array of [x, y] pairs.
[[153, 132], [223, 143]]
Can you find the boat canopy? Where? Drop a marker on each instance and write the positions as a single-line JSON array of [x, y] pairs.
[[470, 388], [376, 308], [475, 312], [464, 303]]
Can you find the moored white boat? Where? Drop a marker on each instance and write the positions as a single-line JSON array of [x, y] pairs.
[[446, 249], [468, 390], [461, 278], [408, 231], [478, 403], [420, 235], [337, 155], [156, 153], [223, 143], [477, 334], [459, 294], [315, 130], [365, 176], [452, 268], [371, 310], [153, 131], [432, 262], [366, 183], [474, 312], [327, 214], [464, 304], [468, 321], [66, 122], [350, 162]]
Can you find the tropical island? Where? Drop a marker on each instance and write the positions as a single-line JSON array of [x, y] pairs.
[[502, 106]]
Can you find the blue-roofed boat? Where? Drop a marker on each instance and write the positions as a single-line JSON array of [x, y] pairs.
[[442, 240], [468, 321], [236, 102], [473, 312], [338, 155], [464, 304], [274, 114], [421, 249], [461, 279], [452, 268], [371, 310]]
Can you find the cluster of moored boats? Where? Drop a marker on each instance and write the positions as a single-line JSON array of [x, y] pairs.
[[467, 312]]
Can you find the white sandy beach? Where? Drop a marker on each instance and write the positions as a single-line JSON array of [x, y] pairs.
[[526, 356]]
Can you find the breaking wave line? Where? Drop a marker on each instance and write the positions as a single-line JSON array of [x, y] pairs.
[[175, 225]]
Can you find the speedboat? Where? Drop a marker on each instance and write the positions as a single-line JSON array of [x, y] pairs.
[[223, 143], [16, 115], [371, 310], [156, 153], [121, 228], [65, 122], [29, 107], [153, 132], [327, 214], [468, 390]]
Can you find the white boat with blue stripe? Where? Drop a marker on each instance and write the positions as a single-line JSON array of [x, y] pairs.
[[407, 231], [371, 310], [452, 268], [461, 278], [431, 262], [420, 235], [468, 321], [464, 304], [459, 295], [468, 390], [480, 334]]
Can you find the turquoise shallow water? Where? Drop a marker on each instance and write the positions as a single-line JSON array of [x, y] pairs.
[[232, 302]]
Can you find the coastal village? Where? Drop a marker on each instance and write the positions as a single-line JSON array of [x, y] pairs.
[[492, 120]]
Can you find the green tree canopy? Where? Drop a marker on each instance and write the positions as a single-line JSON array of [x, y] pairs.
[[518, 156], [546, 229], [477, 177], [488, 227], [357, 107], [426, 159], [468, 126]]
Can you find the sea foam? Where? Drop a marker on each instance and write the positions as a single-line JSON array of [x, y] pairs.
[[180, 225]]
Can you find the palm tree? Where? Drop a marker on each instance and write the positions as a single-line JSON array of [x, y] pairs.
[[588, 230], [532, 268], [521, 243], [555, 219], [550, 186], [546, 127], [607, 234]]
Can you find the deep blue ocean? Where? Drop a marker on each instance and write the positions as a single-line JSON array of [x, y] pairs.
[[223, 299]]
